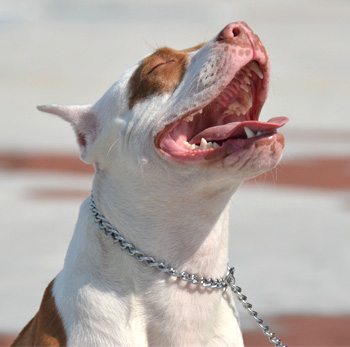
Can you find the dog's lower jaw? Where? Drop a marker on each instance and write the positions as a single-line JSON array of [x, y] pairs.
[[107, 298]]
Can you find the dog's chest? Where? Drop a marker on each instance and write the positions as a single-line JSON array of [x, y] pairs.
[[161, 315]]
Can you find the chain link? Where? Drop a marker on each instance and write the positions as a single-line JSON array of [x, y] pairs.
[[219, 283], [231, 281]]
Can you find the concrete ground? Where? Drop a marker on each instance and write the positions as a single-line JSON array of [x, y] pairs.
[[289, 229]]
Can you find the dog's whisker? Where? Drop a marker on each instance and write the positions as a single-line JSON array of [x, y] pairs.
[[111, 147]]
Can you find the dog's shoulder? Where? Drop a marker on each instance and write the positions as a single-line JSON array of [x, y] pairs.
[[46, 328]]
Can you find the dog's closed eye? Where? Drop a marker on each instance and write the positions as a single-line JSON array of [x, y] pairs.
[[160, 64], [159, 73]]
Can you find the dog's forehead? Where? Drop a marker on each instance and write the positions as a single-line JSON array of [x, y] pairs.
[[159, 73]]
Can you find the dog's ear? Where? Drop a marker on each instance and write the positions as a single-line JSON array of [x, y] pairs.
[[84, 123]]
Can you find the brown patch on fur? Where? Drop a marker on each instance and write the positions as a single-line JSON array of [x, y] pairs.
[[46, 328], [159, 73]]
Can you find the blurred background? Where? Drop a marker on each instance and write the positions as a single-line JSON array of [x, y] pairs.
[[290, 230]]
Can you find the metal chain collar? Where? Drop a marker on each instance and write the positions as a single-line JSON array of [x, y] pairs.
[[219, 283]]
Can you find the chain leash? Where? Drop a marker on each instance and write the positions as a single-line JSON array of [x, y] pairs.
[[231, 282], [219, 283]]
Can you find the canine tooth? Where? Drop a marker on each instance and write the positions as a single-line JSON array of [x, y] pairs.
[[249, 132], [204, 144], [255, 67], [245, 88]]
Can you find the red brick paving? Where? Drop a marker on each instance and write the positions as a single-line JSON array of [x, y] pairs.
[[320, 173], [292, 330], [58, 194], [44, 162], [6, 340], [305, 331]]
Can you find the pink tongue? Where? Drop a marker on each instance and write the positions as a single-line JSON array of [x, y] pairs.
[[236, 129]]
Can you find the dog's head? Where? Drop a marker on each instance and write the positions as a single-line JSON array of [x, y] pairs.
[[194, 111]]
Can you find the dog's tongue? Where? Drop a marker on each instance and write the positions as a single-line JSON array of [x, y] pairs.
[[236, 129]]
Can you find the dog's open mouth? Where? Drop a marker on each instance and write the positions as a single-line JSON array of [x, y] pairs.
[[229, 123]]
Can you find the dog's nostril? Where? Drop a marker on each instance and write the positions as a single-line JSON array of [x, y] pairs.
[[235, 32]]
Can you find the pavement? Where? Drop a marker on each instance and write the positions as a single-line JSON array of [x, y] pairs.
[[289, 229]]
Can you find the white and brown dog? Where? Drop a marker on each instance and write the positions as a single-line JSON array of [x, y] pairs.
[[171, 141]]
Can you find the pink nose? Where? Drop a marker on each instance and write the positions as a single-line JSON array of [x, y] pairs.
[[231, 31]]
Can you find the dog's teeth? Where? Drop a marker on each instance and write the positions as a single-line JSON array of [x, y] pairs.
[[249, 132], [245, 88], [255, 67], [189, 146], [215, 145], [250, 103], [204, 144], [210, 145], [248, 72], [189, 118], [259, 133]]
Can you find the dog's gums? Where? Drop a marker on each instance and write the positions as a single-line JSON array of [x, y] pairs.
[[227, 124]]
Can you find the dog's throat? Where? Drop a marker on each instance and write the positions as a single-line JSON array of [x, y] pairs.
[[228, 281], [109, 230]]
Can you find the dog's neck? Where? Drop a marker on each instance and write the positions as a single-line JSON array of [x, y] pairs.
[[184, 227]]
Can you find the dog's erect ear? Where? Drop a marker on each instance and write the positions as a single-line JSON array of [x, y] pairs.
[[84, 123]]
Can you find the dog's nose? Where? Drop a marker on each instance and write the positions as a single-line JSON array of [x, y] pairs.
[[231, 30], [234, 31], [240, 35]]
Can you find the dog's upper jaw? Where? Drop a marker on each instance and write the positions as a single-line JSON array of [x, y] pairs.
[[212, 116]]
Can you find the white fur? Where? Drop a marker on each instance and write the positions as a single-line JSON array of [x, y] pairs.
[[174, 212]]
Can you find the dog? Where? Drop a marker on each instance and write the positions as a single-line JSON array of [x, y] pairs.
[[170, 141]]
